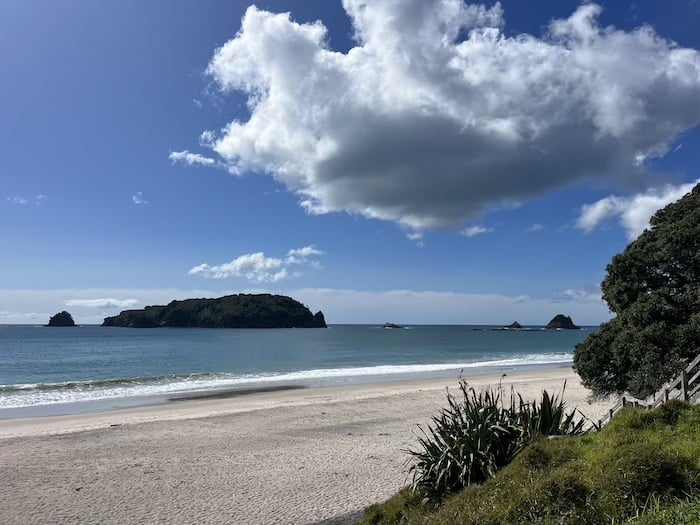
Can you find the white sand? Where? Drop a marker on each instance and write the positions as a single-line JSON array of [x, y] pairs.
[[292, 457]]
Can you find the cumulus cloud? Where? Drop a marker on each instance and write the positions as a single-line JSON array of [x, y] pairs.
[[436, 116], [258, 268], [191, 159], [535, 228], [138, 198], [302, 255], [105, 302], [255, 267], [473, 231], [632, 212]]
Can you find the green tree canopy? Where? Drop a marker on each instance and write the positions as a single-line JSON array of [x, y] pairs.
[[653, 287]]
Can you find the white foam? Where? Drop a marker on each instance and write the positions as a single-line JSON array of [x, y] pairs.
[[222, 381]]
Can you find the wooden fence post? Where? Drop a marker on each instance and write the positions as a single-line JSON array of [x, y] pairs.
[[684, 385]]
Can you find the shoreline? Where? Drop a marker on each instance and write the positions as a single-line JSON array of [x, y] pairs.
[[312, 455], [112, 402], [202, 404]]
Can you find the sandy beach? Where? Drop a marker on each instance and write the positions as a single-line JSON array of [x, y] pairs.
[[302, 456]]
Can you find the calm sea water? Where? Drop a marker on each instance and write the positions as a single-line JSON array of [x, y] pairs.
[[68, 370]]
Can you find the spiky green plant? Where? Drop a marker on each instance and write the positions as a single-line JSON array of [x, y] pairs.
[[478, 434], [549, 417], [466, 443]]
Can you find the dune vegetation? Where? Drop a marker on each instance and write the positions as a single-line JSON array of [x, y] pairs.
[[643, 468]]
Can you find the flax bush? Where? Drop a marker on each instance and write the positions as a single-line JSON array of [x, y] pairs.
[[478, 433]]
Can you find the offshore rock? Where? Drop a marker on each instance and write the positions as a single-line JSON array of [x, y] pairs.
[[562, 322], [61, 319], [230, 311]]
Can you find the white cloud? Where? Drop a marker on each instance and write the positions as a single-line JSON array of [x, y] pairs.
[[302, 255], [23, 201], [207, 137], [473, 231], [190, 158], [253, 266], [633, 212], [535, 228], [17, 199], [579, 294], [258, 268], [138, 198], [423, 127], [304, 252], [105, 302], [10, 317], [417, 237]]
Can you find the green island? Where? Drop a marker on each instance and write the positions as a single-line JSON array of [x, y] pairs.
[[230, 311]]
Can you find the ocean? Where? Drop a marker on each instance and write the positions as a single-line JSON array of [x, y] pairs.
[[52, 371]]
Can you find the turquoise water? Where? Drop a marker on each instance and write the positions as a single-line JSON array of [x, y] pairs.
[[67, 370]]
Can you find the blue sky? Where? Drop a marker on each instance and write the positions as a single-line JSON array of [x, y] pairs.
[[415, 162]]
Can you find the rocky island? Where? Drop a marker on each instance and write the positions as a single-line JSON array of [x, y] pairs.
[[230, 311], [61, 319], [562, 322]]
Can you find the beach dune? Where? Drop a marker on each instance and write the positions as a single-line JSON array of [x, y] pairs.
[[317, 455]]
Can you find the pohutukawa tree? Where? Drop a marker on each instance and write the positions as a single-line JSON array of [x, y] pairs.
[[653, 287]]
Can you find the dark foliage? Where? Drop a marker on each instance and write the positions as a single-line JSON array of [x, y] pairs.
[[61, 319], [653, 287], [231, 311]]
